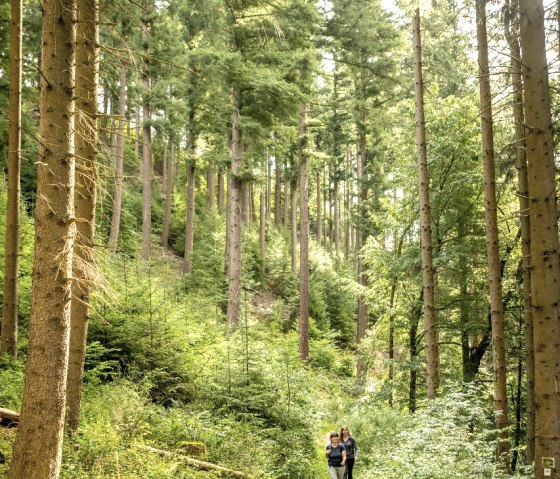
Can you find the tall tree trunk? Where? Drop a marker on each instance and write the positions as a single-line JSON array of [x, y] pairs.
[[8, 340], [37, 451], [137, 134], [119, 162], [543, 214], [146, 149], [336, 214], [268, 185], [319, 216], [293, 224], [413, 353], [262, 224], [511, 18], [287, 189], [362, 278], [246, 203], [303, 239], [211, 182], [168, 193], [234, 210], [347, 183], [277, 193], [430, 319], [87, 60], [221, 195], [492, 243], [190, 196]]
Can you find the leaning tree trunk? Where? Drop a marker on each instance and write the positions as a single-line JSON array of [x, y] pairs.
[[492, 243], [511, 18], [303, 239], [543, 218], [430, 319], [37, 451], [8, 340], [234, 212], [119, 162], [87, 54]]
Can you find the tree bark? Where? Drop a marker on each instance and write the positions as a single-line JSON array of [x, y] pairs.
[[430, 319], [221, 190], [262, 224], [293, 225], [277, 193], [37, 451], [303, 239], [8, 339], [234, 210], [119, 162], [512, 18], [543, 214], [146, 150], [336, 214], [492, 243], [211, 181], [190, 196], [319, 216], [168, 193], [87, 56], [362, 278]]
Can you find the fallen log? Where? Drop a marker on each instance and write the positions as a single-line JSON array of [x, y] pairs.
[[8, 418], [206, 466]]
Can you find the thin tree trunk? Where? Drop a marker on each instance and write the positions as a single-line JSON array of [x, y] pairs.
[[511, 18], [190, 196], [245, 203], [362, 278], [543, 218], [287, 187], [293, 225], [430, 319], [304, 239], [87, 55], [268, 185], [347, 176], [146, 150], [119, 162], [221, 194], [277, 193], [262, 225], [137, 134], [234, 209], [319, 216], [8, 339], [211, 178], [492, 243], [168, 193], [336, 216], [413, 352], [37, 451]]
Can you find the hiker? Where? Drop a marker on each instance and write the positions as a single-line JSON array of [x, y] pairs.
[[336, 457], [349, 443]]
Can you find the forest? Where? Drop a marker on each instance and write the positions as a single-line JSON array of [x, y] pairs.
[[231, 228]]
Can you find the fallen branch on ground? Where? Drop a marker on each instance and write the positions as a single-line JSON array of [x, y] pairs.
[[8, 418], [207, 466]]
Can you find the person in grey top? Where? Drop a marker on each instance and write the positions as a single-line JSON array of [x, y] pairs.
[[336, 457], [349, 443]]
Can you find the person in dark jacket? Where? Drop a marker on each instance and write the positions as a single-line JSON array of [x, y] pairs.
[[351, 447], [336, 457]]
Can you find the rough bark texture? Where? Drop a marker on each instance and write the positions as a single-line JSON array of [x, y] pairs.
[[119, 162], [234, 210], [37, 449], [492, 242], [189, 221], [303, 240], [543, 216], [430, 319], [8, 340], [511, 19], [87, 52]]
